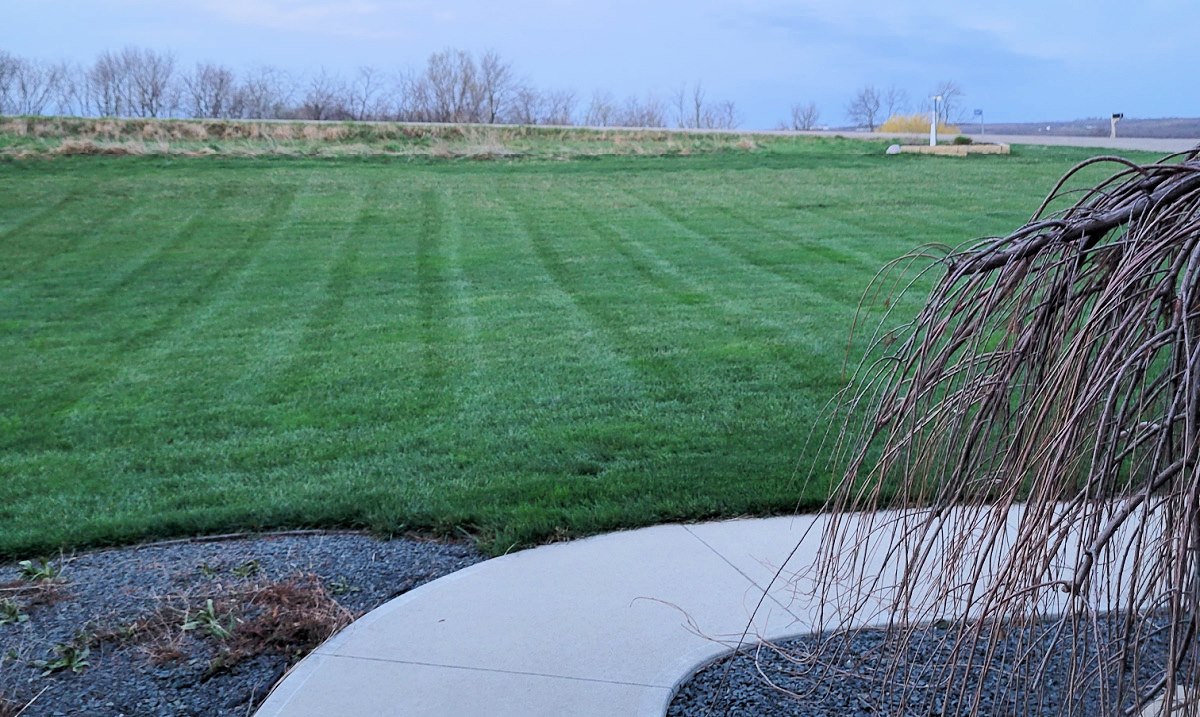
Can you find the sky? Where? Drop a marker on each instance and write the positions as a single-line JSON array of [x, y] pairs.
[[1020, 60]]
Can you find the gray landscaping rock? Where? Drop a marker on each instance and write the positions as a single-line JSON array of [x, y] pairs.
[[107, 591]]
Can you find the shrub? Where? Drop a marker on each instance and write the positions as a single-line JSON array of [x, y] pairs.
[[914, 123]]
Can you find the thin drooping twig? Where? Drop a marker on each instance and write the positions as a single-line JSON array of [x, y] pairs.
[[1027, 452]]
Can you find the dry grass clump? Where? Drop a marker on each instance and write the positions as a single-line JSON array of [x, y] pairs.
[[1037, 429], [70, 147], [289, 617], [915, 124]]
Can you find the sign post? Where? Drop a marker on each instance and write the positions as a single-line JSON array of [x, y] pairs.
[[934, 121]]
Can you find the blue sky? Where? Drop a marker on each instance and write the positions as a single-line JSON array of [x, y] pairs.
[[1017, 60]]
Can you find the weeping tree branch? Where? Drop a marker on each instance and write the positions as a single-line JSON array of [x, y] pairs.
[[1033, 440]]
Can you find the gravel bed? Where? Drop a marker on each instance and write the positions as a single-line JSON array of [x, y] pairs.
[[847, 681], [141, 621]]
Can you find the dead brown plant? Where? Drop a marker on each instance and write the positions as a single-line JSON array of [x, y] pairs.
[[289, 617]]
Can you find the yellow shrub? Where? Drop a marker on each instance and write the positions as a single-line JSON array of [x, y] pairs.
[[914, 124]]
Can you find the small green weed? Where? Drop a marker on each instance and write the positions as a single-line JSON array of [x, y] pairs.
[[247, 569], [71, 656], [341, 586], [11, 613], [39, 570], [207, 620]]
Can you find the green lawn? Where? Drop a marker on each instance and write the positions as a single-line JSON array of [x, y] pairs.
[[520, 350]]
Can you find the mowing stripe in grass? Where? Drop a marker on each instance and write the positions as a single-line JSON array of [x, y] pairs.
[[298, 337], [521, 349], [716, 239], [572, 276], [434, 301], [35, 215], [45, 265], [57, 402], [141, 267], [715, 321], [736, 301], [648, 265], [723, 264], [149, 382]]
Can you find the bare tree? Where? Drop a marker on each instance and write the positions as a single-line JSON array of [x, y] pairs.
[[209, 91], [364, 95], [264, 93], [693, 111], [601, 111], [805, 116], [401, 98], [108, 92], [449, 90], [647, 112], [70, 94], [894, 101], [950, 106], [527, 106], [863, 109], [723, 115], [27, 86], [150, 79], [8, 75], [325, 98], [496, 87], [689, 106], [558, 107]]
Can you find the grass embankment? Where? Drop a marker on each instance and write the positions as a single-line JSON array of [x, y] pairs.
[[518, 350], [24, 137]]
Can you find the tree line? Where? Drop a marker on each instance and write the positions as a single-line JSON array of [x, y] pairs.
[[452, 86]]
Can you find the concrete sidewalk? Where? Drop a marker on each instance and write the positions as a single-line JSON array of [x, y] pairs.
[[611, 625], [602, 626]]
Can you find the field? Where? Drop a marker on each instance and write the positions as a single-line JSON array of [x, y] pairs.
[[520, 349]]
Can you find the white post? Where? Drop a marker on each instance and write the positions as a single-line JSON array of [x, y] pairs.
[[933, 122]]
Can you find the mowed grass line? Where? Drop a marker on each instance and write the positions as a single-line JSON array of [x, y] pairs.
[[517, 350]]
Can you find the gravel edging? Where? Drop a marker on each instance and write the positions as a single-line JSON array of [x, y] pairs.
[[842, 677], [153, 648]]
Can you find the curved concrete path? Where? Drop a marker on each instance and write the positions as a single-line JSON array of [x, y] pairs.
[[611, 625], [601, 626]]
